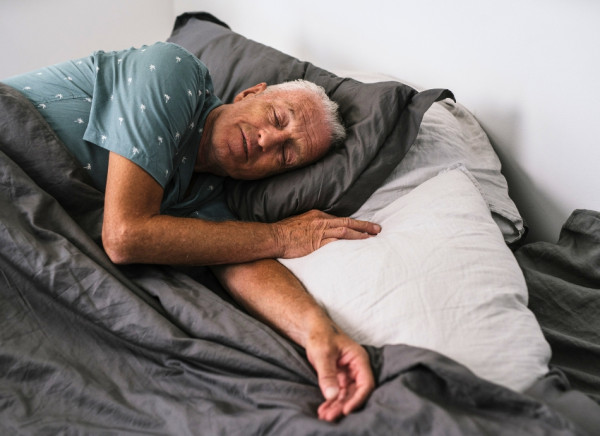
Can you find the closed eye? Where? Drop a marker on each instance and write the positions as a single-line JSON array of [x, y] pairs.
[[277, 121]]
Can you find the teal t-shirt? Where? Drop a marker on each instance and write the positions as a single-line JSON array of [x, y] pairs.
[[148, 104]]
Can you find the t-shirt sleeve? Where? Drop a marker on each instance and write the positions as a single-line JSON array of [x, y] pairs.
[[146, 103]]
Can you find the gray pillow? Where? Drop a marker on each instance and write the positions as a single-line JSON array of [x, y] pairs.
[[450, 135], [382, 122]]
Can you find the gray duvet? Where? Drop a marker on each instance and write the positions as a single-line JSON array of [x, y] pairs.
[[89, 348]]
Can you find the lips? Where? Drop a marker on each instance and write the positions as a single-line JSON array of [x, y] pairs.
[[245, 144]]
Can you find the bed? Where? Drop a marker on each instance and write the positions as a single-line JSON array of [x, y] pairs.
[[470, 329]]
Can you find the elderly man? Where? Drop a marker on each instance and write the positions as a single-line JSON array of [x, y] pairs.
[[147, 126]]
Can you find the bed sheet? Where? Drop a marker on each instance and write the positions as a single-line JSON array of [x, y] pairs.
[[563, 280]]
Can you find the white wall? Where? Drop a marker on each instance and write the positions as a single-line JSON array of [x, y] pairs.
[[36, 33], [529, 70]]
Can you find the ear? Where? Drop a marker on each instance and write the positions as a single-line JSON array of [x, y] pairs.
[[254, 90]]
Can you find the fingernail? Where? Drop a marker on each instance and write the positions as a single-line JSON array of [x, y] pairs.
[[331, 392]]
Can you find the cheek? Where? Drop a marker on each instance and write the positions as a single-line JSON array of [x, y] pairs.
[[257, 170], [267, 165]]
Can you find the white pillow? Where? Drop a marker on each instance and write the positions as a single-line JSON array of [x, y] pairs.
[[438, 276], [450, 134]]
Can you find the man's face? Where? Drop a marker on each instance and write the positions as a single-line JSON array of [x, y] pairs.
[[264, 134]]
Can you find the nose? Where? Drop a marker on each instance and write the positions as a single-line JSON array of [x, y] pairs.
[[269, 138]]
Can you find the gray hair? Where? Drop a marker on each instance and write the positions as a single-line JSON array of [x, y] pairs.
[[330, 107]]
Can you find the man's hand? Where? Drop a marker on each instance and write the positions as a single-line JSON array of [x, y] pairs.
[[273, 294], [344, 372], [303, 234]]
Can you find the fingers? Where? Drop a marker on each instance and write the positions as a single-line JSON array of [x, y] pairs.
[[331, 410], [349, 229], [363, 226], [346, 381], [325, 363], [342, 224], [353, 227], [348, 400], [337, 233], [359, 370], [302, 234], [356, 400]]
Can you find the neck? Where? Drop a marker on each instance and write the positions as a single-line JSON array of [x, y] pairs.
[[203, 162]]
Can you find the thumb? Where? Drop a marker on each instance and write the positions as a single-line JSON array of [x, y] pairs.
[[330, 392], [326, 368]]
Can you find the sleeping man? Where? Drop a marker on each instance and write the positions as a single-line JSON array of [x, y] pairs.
[[156, 140]]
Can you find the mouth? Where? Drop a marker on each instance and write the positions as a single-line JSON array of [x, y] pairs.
[[244, 144]]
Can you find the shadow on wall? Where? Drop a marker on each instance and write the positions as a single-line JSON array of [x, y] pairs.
[[542, 215]]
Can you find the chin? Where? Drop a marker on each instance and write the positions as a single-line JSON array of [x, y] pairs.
[[250, 176]]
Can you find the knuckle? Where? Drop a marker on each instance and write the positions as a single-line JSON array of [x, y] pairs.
[[344, 232], [346, 222]]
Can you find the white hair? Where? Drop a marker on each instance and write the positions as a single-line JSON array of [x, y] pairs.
[[330, 107]]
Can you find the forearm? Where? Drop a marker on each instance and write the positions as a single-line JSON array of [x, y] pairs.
[[273, 294], [134, 231], [164, 239], [269, 291]]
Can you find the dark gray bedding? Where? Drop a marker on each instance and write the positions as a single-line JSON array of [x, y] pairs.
[[564, 293], [89, 348]]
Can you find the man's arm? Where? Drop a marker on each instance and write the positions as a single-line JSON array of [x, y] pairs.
[[269, 291], [135, 231]]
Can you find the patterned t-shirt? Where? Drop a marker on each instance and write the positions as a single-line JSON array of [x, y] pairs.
[[148, 105]]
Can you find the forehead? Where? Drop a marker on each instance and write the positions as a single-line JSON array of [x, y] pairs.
[[296, 100]]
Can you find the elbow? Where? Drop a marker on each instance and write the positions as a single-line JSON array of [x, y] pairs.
[[119, 242]]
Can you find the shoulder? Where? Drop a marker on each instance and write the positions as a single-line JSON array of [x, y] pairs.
[[173, 53], [164, 53]]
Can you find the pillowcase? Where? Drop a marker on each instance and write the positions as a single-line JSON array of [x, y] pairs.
[[438, 276], [449, 135], [382, 122]]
